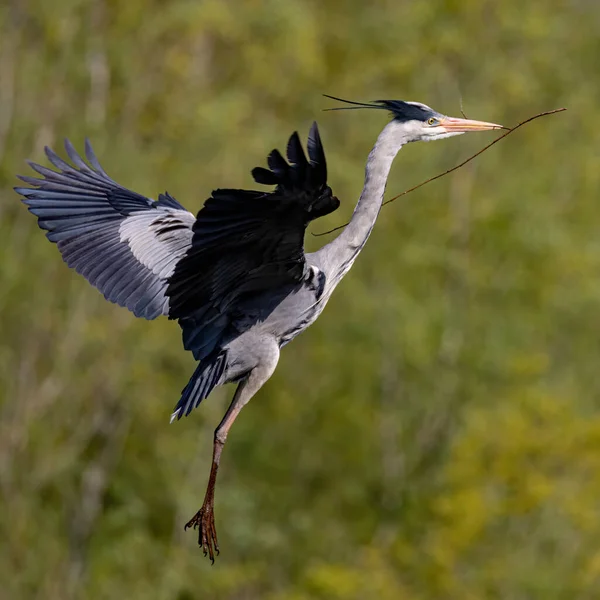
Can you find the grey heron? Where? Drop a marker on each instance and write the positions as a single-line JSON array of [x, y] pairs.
[[236, 276]]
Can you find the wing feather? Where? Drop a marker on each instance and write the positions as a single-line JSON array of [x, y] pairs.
[[123, 243]]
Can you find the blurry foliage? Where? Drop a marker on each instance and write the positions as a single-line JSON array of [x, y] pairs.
[[436, 433]]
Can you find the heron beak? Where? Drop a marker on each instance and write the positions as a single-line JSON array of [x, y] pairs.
[[453, 125]]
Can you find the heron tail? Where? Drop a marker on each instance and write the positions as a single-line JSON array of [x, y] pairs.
[[206, 376]]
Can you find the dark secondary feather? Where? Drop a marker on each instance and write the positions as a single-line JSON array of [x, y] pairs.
[[246, 242], [122, 242]]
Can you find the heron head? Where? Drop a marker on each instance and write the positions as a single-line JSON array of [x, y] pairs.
[[421, 123], [416, 122]]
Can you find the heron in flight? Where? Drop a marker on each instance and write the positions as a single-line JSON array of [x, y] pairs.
[[236, 276]]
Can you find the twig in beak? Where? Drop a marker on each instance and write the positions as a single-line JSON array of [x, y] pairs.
[[462, 164]]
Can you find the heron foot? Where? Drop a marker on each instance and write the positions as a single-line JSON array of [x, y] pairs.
[[204, 521]]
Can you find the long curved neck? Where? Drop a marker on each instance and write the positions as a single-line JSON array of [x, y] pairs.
[[339, 255]]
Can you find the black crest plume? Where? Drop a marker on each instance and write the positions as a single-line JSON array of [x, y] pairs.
[[400, 109]]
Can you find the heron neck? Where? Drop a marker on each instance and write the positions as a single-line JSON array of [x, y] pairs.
[[342, 251]]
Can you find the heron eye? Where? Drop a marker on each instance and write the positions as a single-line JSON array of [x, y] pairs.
[[432, 121]]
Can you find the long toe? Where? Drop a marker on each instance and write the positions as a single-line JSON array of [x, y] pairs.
[[204, 521], [209, 535], [194, 521]]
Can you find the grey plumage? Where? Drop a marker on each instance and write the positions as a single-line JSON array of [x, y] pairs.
[[236, 276]]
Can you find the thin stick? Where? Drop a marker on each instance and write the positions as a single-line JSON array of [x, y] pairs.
[[462, 164], [462, 112]]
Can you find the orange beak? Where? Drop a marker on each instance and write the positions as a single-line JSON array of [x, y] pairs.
[[465, 125]]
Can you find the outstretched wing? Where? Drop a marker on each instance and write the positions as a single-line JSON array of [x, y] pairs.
[[123, 243], [156, 258], [247, 242]]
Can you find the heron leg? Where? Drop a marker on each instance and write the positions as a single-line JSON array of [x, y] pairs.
[[204, 519]]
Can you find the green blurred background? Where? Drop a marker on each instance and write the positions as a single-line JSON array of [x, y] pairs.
[[437, 433]]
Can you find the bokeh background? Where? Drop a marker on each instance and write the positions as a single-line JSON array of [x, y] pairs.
[[436, 434]]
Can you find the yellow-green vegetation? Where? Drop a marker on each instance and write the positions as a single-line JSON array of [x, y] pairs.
[[436, 434]]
